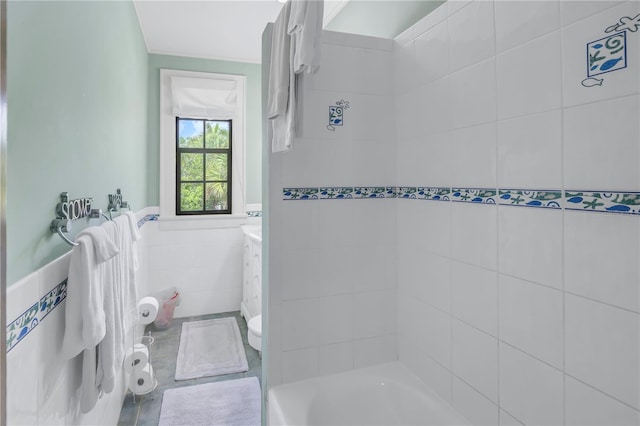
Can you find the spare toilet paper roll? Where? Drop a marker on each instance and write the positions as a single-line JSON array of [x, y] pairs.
[[142, 381], [136, 358], [148, 309]]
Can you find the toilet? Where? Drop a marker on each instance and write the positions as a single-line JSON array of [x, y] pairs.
[[255, 332]]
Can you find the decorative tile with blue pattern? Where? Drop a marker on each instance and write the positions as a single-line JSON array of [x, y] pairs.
[[519, 197], [336, 193], [609, 202], [474, 195], [436, 194], [300, 193]]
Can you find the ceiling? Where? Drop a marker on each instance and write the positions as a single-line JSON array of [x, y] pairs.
[[214, 29]]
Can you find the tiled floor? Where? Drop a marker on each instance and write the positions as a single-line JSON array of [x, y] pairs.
[[146, 409]]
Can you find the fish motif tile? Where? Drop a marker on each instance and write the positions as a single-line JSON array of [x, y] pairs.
[[518, 197]]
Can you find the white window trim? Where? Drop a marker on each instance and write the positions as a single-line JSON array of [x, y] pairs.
[[168, 218]]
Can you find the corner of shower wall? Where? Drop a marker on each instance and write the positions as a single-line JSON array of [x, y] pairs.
[[330, 217]]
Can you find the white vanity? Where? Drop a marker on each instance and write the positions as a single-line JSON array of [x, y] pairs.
[[251, 304]]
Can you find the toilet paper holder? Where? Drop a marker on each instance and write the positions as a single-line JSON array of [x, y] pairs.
[[147, 341]]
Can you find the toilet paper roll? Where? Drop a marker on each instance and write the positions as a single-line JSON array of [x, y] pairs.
[[142, 381], [136, 358], [148, 309]]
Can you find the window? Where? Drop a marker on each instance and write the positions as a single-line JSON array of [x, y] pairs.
[[203, 166], [193, 100]]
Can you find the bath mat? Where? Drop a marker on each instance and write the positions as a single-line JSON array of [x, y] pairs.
[[210, 348], [230, 402]]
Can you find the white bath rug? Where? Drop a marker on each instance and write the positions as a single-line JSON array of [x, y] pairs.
[[210, 348], [230, 402]]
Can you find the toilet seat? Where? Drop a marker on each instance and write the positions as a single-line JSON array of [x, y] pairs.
[[255, 332]]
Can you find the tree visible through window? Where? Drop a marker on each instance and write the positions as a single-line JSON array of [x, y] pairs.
[[203, 166]]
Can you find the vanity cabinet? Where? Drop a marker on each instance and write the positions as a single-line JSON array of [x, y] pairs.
[[251, 273]]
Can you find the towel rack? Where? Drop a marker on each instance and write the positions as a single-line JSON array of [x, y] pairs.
[[116, 203], [69, 210]]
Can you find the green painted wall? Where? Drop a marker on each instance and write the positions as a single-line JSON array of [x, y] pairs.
[[77, 117], [378, 18], [254, 137]]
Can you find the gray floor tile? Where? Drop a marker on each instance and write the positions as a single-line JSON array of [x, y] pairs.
[[146, 409]]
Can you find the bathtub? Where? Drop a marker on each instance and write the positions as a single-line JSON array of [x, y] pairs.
[[385, 394]]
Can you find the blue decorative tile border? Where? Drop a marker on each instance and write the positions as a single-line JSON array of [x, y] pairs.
[[474, 195], [147, 218], [18, 329], [517, 197], [436, 194], [595, 201], [610, 202], [21, 326], [257, 213]]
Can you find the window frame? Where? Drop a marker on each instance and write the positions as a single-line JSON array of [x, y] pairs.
[[168, 219], [204, 150]]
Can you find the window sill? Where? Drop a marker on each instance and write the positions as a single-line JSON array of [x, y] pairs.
[[176, 223]]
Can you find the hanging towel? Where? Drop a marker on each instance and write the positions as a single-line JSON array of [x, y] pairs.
[[281, 94], [278, 92], [84, 313], [305, 28]]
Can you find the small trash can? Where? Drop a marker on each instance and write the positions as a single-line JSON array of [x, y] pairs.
[[168, 300]]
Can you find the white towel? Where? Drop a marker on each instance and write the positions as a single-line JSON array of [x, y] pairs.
[[111, 347], [84, 313], [278, 92], [305, 28], [281, 103]]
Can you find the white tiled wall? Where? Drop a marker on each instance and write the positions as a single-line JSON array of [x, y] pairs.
[[519, 315], [43, 388], [332, 280], [205, 265]]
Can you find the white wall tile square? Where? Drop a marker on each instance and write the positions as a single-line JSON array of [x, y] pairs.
[[520, 21], [335, 358], [602, 157], [601, 258], [529, 389], [432, 44], [367, 309], [300, 327], [435, 160], [407, 114], [473, 405], [474, 296], [435, 375], [587, 406], [474, 234], [525, 86], [22, 375], [403, 69], [299, 365], [473, 156], [474, 359], [574, 60], [435, 117], [434, 333], [376, 350], [573, 11], [473, 94], [437, 216], [336, 319], [602, 348], [530, 151], [530, 244], [435, 286], [471, 32], [531, 318]]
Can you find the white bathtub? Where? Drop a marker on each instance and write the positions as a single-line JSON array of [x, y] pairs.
[[386, 394]]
